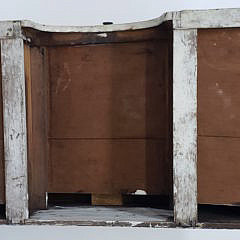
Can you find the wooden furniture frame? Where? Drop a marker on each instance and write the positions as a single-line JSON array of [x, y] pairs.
[[185, 25]]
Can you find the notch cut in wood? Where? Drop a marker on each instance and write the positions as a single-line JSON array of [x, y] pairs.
[[107, 199]]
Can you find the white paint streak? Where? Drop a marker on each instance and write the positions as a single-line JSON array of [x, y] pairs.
[[133, 224], [104, 35], [185, 126], [15, 135]]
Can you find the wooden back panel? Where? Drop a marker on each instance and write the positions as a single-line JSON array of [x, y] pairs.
[[218, 116], [109, 117], [2, 178]]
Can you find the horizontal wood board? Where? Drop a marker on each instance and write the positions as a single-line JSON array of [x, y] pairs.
[[107, 166], [108, 91]]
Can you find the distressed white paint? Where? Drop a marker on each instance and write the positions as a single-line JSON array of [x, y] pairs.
[[99, 28], [106, 214], [215, 18], [188, 19], [6, 29], [184, 102], [185, 126], [14, 122], [10, 29]]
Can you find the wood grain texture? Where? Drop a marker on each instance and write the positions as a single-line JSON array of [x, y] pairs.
[[95, 93], [35, 68], [185, 126], [218, 82], [218, 170], [107, 166], [2, 172], [15, 132], [108, 114], [214, 18], [218, 116]]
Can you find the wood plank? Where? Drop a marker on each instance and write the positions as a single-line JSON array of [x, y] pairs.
[[96, 94], [185, 126], [218, 170], [2, 172], [37, 126], [108, 166], [106, 199], [218, 82], [214, 18], [15, 132]]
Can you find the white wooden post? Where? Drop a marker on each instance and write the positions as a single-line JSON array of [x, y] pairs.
[[15, 132], [185, 126]]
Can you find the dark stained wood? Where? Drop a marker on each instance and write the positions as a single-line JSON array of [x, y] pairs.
[[218, 170], [37, 126], [2, 178], [108, 91], [218, 116], [39, 38]]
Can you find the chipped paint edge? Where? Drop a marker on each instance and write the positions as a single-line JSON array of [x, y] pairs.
[[214, 18], [185, 126], [134, 224], [99, 28], [186, 19]]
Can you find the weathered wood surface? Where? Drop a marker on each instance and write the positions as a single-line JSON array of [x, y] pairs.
[[99, 28], [187, 19], [118, 109], [218, 165], [36, 83], [15, 133], [127, 100], [114, 166], [2, 172], [72, 39], [185, 126], [218, 82], [103, 214], [218, 116], [214, 18]]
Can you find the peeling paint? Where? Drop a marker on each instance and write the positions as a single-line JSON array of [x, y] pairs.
[[185, 126]]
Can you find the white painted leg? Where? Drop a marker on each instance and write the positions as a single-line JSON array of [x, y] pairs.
[[185, 126], [15, 133]]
